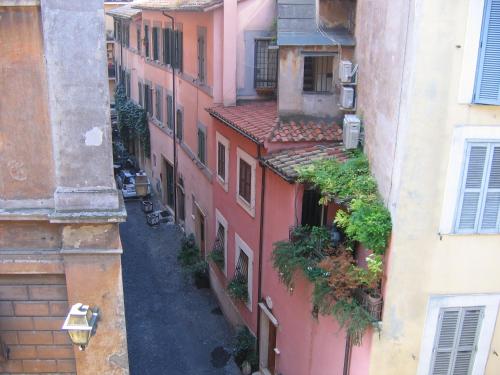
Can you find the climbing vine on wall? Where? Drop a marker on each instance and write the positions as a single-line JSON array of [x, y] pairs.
[[132, 120]]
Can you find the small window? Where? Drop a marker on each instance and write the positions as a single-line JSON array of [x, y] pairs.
[[244, 266], [220, 245], [202, 54], [266, 64], [141, 93], [126, 35], [156, 34], [456, 340], [202, 145], [479, 205], [158, 104], [312, 212], [318, 73], [181, 200], [146, 40], [170, 112], [170, 185], [178, 50], [179, 125], [148, 99], [245, 186], [167, 46], [138, 41], [221, 161]]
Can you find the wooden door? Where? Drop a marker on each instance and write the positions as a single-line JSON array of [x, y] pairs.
[[271, 354]]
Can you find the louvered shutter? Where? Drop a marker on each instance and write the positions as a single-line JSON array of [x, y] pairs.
[[456, 341], [490, 217], [471, 190], [488, 75]]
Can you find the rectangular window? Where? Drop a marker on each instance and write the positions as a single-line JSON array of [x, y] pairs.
[[146, 40], [202, 32], [179, 125], [312, 213], [148, 99], [155, 34], [266, 64], [202, 142], [177, 63], [456, 340], [170, 185], [221, 161], [245, 186], [181, 200], [138, 41], [167, 45], [170, 112], [126, 35], [487, 89], [318, 73], [244, 266], [158, 104], [141, 93], [127, 85], [479, 205]]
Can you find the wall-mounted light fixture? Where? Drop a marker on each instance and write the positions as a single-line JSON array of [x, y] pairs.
[[80, 324]]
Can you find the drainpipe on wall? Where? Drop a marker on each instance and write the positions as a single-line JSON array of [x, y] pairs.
[[347, 355], [174, 119], [261, 247]]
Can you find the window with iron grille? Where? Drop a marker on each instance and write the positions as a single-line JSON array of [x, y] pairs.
[[318, 74], [167, 47], [146, 40], [202, 142], [202, 32], [179, 125], [158, 104], [220, 243], [138, 41], [221, 161], [155, 35], [245, 185], [265, 65], [170, 112], [241, 271]]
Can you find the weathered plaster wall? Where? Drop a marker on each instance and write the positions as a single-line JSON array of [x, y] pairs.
[[421, 262], [25, 135], [337, 13], [291, 97]]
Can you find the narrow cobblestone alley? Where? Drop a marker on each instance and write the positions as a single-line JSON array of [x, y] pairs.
[[172, 327]]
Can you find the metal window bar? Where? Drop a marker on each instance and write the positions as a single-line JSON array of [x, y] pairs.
[[242, 266], [245, 188], [265, 65], [318, 73], [219, 240]]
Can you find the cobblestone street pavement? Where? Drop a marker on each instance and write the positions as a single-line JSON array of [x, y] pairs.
[[172, 327]]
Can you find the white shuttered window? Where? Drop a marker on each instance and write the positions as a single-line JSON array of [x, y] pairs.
[[488, 67], [479, 205], [456, 340]]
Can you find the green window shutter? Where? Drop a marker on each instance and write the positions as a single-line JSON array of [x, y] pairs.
[[167, 53], [170, 113], [177, 50], [179, 125], [456, 341], [487, 89]]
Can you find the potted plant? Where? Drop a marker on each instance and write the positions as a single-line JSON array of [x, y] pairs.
[[238, 288], [369, 279]]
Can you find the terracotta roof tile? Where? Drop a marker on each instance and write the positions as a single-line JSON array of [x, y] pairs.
[[285, 162], [255, 119], [307, 130], [125, 11], [180, 5]]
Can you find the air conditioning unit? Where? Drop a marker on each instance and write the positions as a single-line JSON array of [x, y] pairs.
[[350, 134], [345, 71], [347, 97]]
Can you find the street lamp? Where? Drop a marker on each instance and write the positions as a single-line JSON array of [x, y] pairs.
[[80, 324]]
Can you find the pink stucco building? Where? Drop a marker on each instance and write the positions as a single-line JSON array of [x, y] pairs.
[[254, 98]]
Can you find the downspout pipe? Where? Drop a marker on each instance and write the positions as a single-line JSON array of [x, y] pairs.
[[261, 245], [174, 120]]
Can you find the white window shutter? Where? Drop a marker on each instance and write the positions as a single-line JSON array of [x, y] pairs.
[[456, 341], [491, 213], [472, 187], [487, 89]]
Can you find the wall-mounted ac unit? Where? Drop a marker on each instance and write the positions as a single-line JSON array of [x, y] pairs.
[[345, 71], [351, 130], [347, 97]]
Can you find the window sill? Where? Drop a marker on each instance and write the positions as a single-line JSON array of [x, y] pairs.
[[246, 206], [223, 183]]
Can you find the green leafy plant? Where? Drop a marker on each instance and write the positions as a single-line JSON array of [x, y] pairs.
[[217, 256], [132, 120], [190, 259], [238, 288], [354, 318], [245, 348]]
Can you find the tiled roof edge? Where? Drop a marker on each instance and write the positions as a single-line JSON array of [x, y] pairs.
[[233, 126]]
